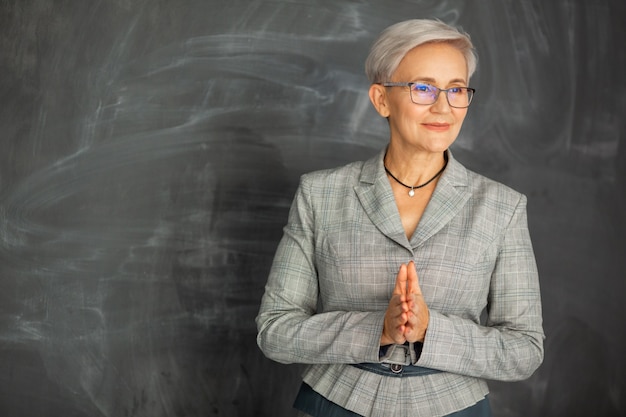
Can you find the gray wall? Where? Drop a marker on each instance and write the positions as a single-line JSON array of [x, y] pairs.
[[149, 151]]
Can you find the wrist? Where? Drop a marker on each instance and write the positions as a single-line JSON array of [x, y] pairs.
[[386, 340]]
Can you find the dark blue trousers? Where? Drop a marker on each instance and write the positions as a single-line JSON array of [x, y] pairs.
[[316, 405]]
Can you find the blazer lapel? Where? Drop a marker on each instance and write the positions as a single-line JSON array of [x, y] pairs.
[[447, 200], [376, 197]]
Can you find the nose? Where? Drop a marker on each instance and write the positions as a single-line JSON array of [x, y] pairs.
[[441, 105]]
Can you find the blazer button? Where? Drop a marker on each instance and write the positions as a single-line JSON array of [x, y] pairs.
[[395, 368]]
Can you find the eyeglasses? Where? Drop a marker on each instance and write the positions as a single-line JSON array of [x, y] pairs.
[[421, 93]]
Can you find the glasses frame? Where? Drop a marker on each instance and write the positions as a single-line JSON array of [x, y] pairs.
[[470, 90]]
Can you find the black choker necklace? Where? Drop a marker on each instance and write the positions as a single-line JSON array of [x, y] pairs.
[[415, 187]]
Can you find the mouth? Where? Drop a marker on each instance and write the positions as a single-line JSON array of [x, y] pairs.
[[437, 127]]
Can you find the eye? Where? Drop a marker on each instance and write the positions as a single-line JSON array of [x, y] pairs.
[[457, 90], [422, 88]]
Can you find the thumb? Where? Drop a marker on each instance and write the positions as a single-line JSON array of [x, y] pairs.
[[413, 281], [401, 281]]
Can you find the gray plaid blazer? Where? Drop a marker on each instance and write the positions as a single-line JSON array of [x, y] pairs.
[[334, 272]]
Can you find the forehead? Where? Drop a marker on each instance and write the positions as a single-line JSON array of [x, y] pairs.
[[433, 61]]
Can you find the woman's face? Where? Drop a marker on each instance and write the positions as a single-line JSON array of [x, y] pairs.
[[425, 128]]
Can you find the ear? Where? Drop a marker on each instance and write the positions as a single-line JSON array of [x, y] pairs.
[[378, 97]]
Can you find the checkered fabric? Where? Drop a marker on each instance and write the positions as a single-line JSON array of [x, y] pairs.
[[334, 272]]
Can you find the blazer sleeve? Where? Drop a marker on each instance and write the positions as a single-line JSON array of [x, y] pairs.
[[290, 330], [510, 345]]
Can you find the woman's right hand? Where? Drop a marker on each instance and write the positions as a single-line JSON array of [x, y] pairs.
[[406, 318], [397, 314]]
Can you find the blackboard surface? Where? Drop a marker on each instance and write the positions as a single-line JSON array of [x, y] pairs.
[[149, 152]]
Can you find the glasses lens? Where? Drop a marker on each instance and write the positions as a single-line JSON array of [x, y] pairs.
[[459, 96], [427, 94], [423, 93]]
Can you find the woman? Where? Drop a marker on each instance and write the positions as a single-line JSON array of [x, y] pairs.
[[386, 266]]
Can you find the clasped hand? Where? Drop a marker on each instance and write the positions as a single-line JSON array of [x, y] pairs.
[[406, 318]]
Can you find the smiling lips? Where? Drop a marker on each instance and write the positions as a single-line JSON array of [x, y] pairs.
[[437, 127]]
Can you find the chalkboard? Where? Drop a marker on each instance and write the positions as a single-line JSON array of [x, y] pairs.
[[149, 155]]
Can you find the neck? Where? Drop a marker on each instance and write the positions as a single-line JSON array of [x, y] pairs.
[[414, 170]]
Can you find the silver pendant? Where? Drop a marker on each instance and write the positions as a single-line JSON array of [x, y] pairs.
[[411, 193]]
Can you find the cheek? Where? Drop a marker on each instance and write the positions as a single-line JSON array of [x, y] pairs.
[[414, 113], [459, 115]]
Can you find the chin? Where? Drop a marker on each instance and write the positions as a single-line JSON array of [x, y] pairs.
[[439, 146]]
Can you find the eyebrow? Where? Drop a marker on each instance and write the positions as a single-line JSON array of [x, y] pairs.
[[433, 81]]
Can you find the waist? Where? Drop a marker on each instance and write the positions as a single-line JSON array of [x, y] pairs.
[[395, 370]]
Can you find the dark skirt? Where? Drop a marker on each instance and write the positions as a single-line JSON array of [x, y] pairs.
[[316, 405]]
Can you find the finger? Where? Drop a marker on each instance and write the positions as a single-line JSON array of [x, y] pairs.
[[415, 303], [397, 302], [411, 318], [417, 319], [395, 327], [397, 307], [402, 321], [411, 302], [413, 281], [408, 330], [401, 281]]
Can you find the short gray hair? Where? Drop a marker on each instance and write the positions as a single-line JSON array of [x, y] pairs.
[[397, 40]]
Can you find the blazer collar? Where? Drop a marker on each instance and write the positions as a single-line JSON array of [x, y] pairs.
[[376, 197]]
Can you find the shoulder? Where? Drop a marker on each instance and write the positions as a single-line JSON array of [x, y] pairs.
[[339, 178], [487, 195], [486, 188], [496, 204]]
